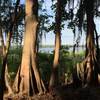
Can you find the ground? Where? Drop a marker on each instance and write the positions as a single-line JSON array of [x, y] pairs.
[[64, 93]]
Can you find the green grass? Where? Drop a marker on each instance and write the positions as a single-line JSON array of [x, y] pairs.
[[45, 62]]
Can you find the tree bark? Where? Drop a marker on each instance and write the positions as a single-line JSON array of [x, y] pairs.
[[7, 82], [54, 80], [28, 79], [91, 63], [6, 52]]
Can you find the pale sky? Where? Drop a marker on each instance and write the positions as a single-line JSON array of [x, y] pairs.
[[67, 34], [22, 1]]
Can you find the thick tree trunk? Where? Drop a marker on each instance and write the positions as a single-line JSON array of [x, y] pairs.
[[28, 79], [90, 64], [39, 82], [25, 65], [54, 80]]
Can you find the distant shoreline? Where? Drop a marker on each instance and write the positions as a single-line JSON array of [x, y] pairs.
[[52, 46]]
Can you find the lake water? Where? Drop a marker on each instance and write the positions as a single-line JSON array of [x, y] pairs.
[[50, 49]]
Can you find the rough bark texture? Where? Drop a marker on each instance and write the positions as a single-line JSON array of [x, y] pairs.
[[28, 79], [90, 65], [6, 52], [54, 74], [7, 77]]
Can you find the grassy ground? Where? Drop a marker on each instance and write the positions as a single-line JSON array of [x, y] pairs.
[[45, 61], [63, 92]]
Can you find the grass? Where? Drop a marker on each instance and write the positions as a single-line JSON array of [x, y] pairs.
[[45, 62]]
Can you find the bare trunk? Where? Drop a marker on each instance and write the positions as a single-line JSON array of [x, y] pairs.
[[91, 65], [6, 52], [7, 81], [54, 80], [54, 74], [28, 78], [7, 77], [25, 65], [90, 62], [39, 82]]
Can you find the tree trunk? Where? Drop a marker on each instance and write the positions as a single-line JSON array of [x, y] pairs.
[[28, 79], [90, 64], [54, 80], [6, 52], [7, 82]]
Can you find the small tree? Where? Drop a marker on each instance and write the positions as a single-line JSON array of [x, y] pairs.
[[54, 80]]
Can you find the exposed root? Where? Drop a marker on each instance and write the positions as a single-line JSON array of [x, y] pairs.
[[16, 82], [7, 81]]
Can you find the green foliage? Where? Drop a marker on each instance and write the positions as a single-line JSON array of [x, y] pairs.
[[64, 15], [45, 63], [6, 18], [66, 62], [13, 61], [64, 49], [18, 30]]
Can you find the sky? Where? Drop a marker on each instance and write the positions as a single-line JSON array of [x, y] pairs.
[[67, 34], [22, 1]]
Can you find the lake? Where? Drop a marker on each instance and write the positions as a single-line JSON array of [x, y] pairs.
[[50, 49]]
